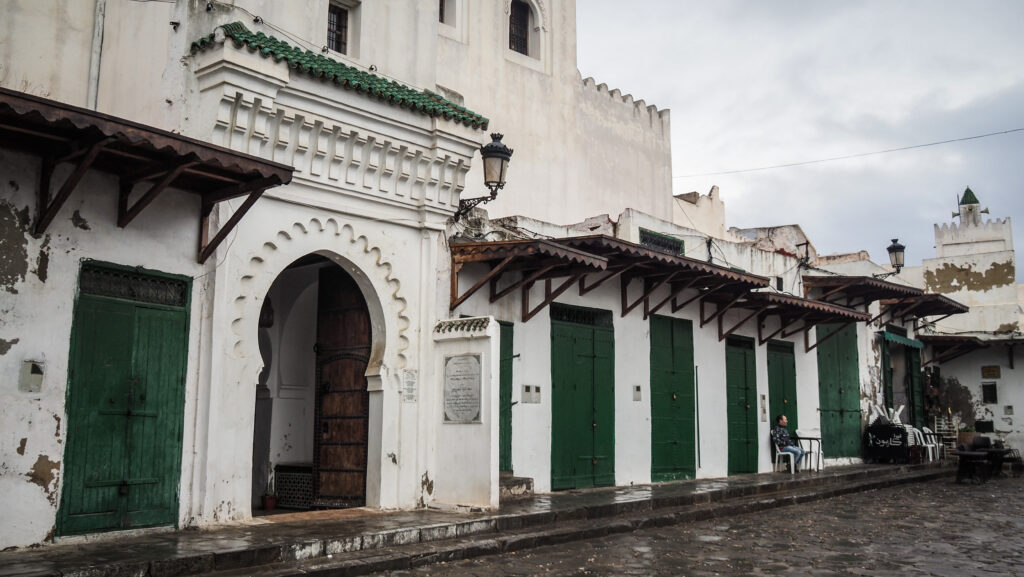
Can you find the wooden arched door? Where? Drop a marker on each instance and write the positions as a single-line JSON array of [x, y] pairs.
[[341, 424]]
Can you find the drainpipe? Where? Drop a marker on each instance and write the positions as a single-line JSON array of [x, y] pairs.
[[96, 54]]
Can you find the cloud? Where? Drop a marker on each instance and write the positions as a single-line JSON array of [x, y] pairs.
[[754, 84]]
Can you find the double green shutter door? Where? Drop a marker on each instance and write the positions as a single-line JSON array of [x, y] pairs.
[[742, 410], [583, 406], [839, 391], [672, 400], [125, 401], [782, 383]]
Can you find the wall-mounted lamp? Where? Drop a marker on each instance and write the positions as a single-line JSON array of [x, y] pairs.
[[496, 157], [896, 252]]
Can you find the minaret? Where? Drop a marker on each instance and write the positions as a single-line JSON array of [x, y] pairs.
[[970, 209]]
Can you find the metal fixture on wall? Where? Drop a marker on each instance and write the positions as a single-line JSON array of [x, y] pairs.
[[496, 158], [896, 252]]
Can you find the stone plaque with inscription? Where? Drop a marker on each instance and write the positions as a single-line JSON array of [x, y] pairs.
[[462, 389]]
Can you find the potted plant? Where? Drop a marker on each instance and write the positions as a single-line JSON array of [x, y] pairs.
[[269, 498]]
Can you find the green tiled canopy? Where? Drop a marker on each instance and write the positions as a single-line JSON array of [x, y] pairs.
[[328, 70]]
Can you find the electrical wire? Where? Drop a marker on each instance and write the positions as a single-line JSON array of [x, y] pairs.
[[849, 156]]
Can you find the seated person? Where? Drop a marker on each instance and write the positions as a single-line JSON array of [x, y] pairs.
[[780, 436]]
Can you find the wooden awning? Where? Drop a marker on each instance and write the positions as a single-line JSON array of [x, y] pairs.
[[795, 315], [592, 261], [628, 261], [921, 306], [536, 260], [855, 291], [146, 160], [948, 347]]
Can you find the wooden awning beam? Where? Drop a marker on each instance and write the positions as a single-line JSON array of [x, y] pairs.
[[676, 289], [807, 336], [719, 310], [722, 335], [918, 327], [607, 277], [676, 307], [888, 309], [783, 325], [525, 281], [495, 271], [549, 295], [48, 209], [840, 288], [207, 248], [903, 313], [126, 214], [646, 293], [949, 354]]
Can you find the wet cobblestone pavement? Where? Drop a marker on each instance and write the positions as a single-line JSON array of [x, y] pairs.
[[935, 528]]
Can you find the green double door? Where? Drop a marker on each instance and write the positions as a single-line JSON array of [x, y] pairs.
[[673, 418], [782, 383], [741, 397], [124, 403], [583, 403], [839, 391]]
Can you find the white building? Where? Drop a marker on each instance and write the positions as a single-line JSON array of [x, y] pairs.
[[311, 333]]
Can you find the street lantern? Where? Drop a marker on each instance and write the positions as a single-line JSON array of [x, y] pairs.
[[896, 255], [496, 157]]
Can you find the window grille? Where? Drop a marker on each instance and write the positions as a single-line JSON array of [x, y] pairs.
[[581, 315], [519, 27], [132, 285], [337, 29], [661, 242]]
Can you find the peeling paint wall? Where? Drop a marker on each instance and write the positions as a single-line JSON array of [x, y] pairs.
[[38, 285], [1008, 413]]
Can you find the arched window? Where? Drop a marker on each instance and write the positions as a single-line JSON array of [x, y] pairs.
[[519, 25]]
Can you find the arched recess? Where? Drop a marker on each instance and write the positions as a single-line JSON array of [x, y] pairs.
[[366, 264]]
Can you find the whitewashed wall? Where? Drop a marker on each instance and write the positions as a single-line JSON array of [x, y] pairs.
[[1009, 388], [38, 292], [532, 422]]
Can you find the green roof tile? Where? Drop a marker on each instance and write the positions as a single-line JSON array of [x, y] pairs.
[[968, 197], [328, 70]]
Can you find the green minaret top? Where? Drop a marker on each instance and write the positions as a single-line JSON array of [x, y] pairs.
[[968, 197]]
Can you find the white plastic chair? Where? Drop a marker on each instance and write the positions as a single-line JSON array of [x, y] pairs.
[[914, 437], [780, 455], [934, 443]]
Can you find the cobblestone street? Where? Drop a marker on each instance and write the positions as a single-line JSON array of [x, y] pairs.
[[935, 528]]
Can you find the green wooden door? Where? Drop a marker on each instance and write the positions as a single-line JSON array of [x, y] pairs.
[[916, 390], [672, 400], [125, 401], [505, 398], [741, 396], [839, 391], [782, 382], [583, 406]]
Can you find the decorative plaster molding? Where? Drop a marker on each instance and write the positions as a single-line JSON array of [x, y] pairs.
[[328, 238]]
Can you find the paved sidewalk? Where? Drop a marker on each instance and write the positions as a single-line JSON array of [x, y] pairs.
[[360, 541]]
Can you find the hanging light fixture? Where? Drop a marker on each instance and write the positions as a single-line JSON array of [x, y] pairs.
[[496, 157]]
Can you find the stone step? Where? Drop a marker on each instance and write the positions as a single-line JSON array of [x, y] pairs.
[[414, 555], [510, 487]]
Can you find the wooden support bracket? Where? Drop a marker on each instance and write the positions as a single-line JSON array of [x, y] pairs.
[[549, 295], [455, 299], [525, 281], [126, 214], [48, 209], [807, 336], [722, 335], [607, 277], [648, 290], [719, 311], [206, 249], [676, 307]]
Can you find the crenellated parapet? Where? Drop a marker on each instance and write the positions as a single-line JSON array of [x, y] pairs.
[[650, 115]]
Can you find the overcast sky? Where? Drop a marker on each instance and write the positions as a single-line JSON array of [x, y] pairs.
[[756, 83]]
